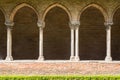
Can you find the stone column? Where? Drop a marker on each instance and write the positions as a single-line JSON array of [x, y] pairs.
[[72, 56], [74, 25], [77, 25], [108, 41], [41, 27], [9, 40]]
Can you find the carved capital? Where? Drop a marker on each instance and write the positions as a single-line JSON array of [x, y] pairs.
[[41, 24], [74, 24], [108, 25], [9, 24]]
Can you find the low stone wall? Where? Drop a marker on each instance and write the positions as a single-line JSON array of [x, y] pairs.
[[50, 68]]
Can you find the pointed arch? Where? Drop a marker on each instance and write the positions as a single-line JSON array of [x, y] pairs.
[[3, 11], [3, 35], [115, 38], [19, 7], [114, 11], [56, 5], [61, 38], [25, 34], [103, 11]]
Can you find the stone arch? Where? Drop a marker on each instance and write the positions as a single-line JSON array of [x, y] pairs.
[[3, 34], [4, 13], [114, 11], [115, 31], [91, 46], [56, 5], [103, 11], [25, 34], [19, 7], [57, 46]]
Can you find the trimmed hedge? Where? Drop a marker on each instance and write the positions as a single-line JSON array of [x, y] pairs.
[[59, 77]]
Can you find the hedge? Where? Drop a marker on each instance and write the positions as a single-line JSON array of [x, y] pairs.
[[59, 77]]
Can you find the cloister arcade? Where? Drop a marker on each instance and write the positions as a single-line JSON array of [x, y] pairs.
[[57, 34]]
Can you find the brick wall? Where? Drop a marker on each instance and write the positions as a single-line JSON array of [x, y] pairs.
[[49, 68]]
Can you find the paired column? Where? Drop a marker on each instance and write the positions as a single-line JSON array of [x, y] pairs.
[[9, 40], [108, 41], [74, 26], [41, 27]]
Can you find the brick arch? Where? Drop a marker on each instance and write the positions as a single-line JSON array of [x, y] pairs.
[[89, 30], [114, 11], [4, 13], [115, 31], [56, 5], [3, 34], [13, 13], [103, 11]]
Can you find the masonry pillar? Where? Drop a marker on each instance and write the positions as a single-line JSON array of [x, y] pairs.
[[9, 40], [41, 26], [108, 41]]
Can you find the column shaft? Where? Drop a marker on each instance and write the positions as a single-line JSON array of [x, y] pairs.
[[9, 44], [77, 44], [108, 42], [41, 44], [41, 26], [72, 45]]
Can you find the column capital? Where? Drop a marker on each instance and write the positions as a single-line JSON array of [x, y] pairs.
[[41, 24], [74, 24], [9, 23], [108, 23]]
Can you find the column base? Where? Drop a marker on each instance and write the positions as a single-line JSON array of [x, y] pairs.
[[108, 58], [9, 58], [41, 58], [77, 58], [72, 58]]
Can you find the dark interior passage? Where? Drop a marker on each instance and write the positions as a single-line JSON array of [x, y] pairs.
[[116, 36], [57, 35], [3, 37], [92, 36], [25, 34]]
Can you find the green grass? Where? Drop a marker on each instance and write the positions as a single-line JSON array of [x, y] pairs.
[[59, 77]]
